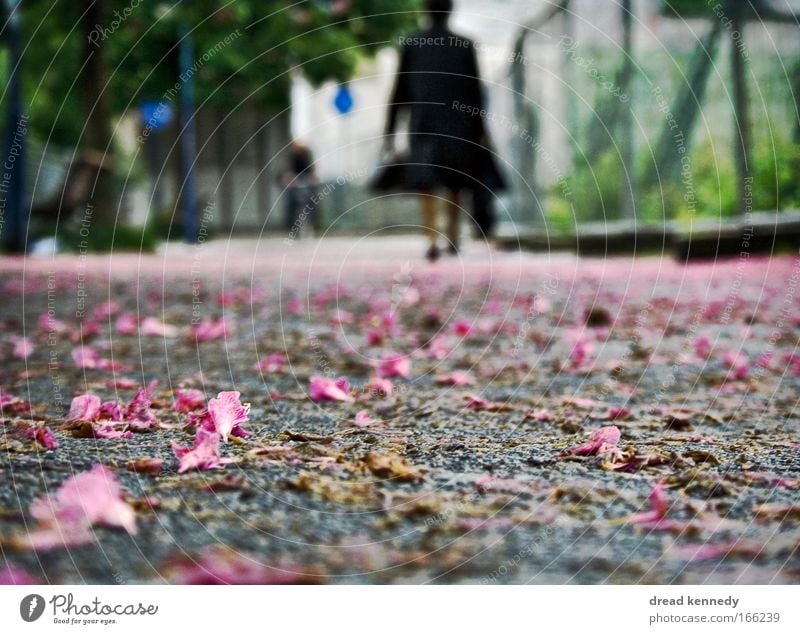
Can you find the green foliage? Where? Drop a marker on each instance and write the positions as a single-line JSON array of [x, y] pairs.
[[686, 8], [596, 189], [108, 239], [708, 190], [776, 171], [244, 51]]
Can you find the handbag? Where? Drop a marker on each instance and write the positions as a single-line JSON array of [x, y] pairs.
[[389, 174]]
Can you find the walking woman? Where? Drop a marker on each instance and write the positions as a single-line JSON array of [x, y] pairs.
[[438, 83]]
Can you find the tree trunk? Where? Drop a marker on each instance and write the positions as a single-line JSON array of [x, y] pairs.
[[97, 141]]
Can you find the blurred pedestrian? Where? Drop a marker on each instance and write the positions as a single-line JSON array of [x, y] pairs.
[[438, 83], [300, 181]]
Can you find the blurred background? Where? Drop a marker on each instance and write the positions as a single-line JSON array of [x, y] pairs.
[[629, 119]]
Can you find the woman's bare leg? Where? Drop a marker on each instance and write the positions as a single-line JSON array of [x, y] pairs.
[[428, 205], [453, 206]]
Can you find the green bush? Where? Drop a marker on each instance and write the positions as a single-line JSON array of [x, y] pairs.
[[101, 239]]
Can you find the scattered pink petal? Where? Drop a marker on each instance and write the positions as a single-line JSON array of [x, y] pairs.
[[85, 407], [457, 378], [703, 346], [271, 364], [581, 351], [127, 324], [704, 552], [462, 328], [204, 455], [220, 566], [148, 466], [540, 415], [613, 413], [583, 403], [363, 419], [82, 501], [122, 384], [13, 576], [188, 400], [599, 441], [738, 364], [438, 348], [394, 365], [110, 410], [479, 404], [209, 329], [45, 438], [108, 432], [88, 358], [105, 310], [228, 414], [138, 413], [49, 324], [658, 507], [322, 389], [379, 387], [152, 327], [12, 405], [22, 347]]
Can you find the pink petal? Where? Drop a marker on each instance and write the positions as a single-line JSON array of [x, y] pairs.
[[85, 407], [599, 440], [322, 389], [105, 310], [12, 404], [218, 566], [187, 400], [23, 347], [462, 328], [272, 363], [457, 377], [152, 327], [49, 324], [148, 466], [702, 346], [363, 419], [46, 438], [107, 432], [209, 329], [379, 387], [659, 505], [395, 365], [228, 413], [138, 413], [13, 576], [127, 324], [540, 415], [83, 500], [110, 410], [204, 455]]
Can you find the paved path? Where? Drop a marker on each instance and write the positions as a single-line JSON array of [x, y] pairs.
[[467, 472]]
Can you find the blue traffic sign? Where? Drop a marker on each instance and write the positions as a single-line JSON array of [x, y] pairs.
[[155, 114], [343, 100]]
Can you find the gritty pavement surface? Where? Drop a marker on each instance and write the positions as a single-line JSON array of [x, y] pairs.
[[500, 366]]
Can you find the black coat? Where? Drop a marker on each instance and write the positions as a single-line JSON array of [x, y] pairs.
[[438, 82]]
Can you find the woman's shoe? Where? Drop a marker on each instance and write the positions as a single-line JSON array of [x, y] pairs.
[[432, 254]]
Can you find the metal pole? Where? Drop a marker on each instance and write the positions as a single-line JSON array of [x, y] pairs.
[[626, 123], [742, 133], [188, 146], [12, 180]]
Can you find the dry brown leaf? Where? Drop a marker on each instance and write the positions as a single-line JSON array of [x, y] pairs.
[[392, 467]]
